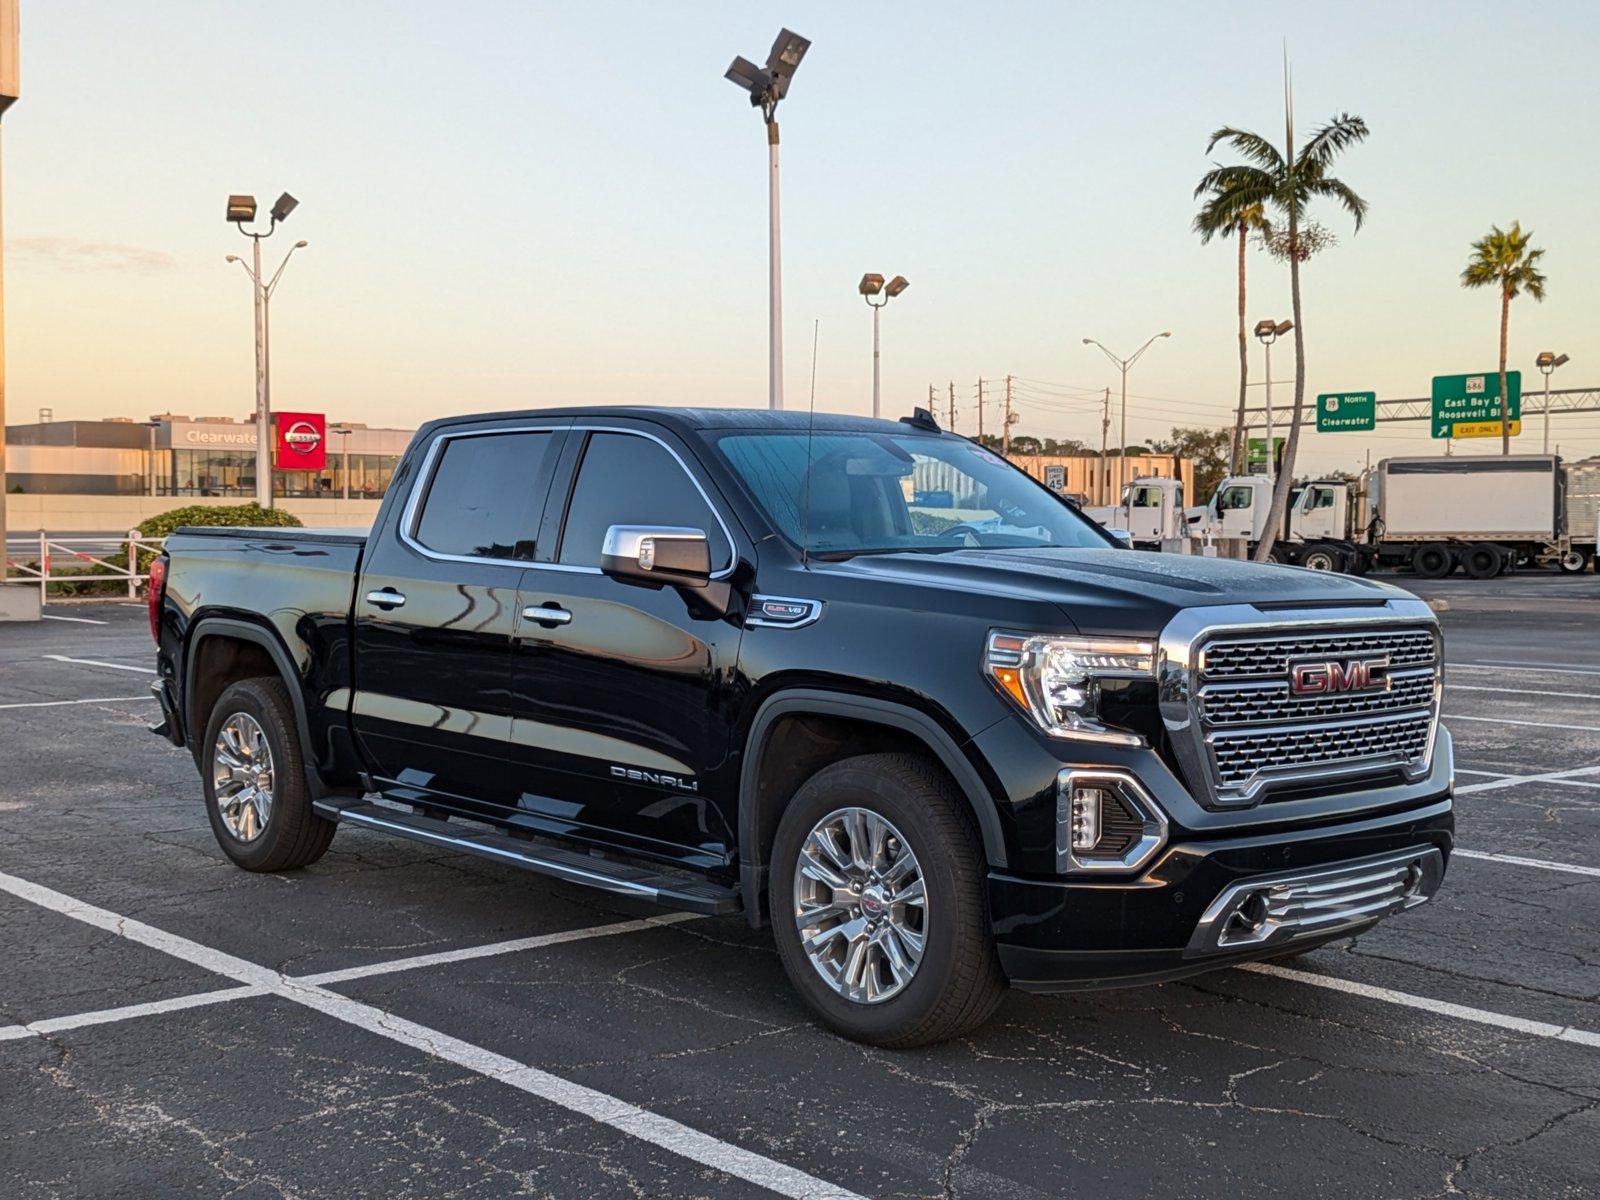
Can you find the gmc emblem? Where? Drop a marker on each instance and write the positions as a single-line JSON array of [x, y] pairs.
[[1328, 676]]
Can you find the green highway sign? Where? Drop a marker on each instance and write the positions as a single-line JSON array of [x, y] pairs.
[[1355, 412], [1473, 403], [1256, 453]]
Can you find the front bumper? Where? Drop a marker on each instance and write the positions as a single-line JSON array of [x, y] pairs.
[[1063, 934]]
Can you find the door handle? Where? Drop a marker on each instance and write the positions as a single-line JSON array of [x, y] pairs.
[[548, 615], [386, 598]]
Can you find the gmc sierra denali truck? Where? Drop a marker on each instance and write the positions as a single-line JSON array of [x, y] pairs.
[[859, 680]]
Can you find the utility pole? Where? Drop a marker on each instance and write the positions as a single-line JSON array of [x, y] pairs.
[[980, 412], [1102, 479], [1010, 419], [933, 406], [952, 406]]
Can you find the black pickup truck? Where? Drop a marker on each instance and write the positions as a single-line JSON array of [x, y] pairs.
[[860, 680]]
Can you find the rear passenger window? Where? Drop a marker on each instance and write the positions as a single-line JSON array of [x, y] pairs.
[[630, 480], [487, 495]]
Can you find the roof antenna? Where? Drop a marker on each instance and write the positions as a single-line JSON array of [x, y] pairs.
[[811, 423]]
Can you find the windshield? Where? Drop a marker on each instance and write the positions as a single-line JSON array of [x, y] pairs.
[[876, 493]]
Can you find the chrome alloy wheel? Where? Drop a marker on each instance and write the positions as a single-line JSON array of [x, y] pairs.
[[241, 776], [860, 905]]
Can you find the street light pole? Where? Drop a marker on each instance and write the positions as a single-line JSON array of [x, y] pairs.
[[870, 286], [767, 86], [1269, 331], [344, 460], [1548, 361], [1122, 365], [240, 210]]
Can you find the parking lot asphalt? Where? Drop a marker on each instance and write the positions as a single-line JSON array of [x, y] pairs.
[[396, 1021]]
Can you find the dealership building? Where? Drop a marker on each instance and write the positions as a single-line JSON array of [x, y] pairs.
[[67, 476]]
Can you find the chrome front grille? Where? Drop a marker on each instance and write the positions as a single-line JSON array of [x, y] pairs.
[[1289, 750], [1242, 730], [1251, 704], [1273, 909], [1254, 657]]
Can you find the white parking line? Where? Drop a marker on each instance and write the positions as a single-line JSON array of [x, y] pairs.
[[92, 700], [1539, 695], [1541, 668], [1462, 1012], [106, 1016], [1510, 781], [78, 620], [1518, 861], [493, 948], [1531, 724], [95, 662], [653, 1128]]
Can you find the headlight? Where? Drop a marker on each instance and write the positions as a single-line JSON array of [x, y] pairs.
[[1056, 680]]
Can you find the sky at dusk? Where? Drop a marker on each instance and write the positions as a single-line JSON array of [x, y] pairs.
[[526, 204]]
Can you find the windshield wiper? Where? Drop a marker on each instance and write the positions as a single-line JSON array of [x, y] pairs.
[[842, 555]]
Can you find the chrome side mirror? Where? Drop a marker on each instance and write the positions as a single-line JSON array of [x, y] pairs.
[[1122, 537], [657, 554]]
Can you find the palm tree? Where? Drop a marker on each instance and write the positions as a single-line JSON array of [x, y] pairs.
[[1503, 259], [1208, 223], [1285, 183]]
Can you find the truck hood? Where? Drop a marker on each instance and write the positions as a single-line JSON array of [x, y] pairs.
[[1126, 592]]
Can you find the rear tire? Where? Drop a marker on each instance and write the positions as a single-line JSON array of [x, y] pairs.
[[956, 983], [255, 781], [1483, 560], [1433, 560], [1573, 562]]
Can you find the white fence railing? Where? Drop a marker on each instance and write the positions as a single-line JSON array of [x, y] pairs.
[[57, 560]]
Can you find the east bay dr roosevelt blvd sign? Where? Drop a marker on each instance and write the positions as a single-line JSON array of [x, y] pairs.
[[1469, 405]]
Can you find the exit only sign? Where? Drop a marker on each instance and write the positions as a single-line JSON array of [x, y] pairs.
[[1347, 412]]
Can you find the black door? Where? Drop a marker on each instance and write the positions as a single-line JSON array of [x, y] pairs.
[[435, 614], [622, 711]]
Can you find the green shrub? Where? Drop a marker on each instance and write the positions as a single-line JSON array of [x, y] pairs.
[[252, 515]]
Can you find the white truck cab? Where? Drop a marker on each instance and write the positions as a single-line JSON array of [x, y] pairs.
[[1151, 511]]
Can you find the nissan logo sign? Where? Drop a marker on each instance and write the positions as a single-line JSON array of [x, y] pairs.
[[302, 437]]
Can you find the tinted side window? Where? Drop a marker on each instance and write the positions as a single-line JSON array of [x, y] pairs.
[[487, 495], [630, 480]]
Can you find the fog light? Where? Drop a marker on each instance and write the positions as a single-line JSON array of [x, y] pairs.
[[1105, 821], [1085, 805]]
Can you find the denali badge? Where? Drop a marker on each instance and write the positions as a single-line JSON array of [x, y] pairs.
[[1327, 676], [634, 775]]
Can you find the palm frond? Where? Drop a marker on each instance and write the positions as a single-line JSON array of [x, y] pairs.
[[1252, 146], [1329, 141], [1337, 189]]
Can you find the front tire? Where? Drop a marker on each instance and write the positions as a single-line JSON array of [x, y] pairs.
[[878, 903], [255, 781]]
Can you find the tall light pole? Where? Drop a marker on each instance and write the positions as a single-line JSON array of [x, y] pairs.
[[767, 86], [150, 456], [1548, 361], [1123, 364], [1269, 331], [344, 432], [873, 285], [9, 88], [240, 210]]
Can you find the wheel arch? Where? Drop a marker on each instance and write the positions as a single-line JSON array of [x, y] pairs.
[[195, 715], [759, 811]]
